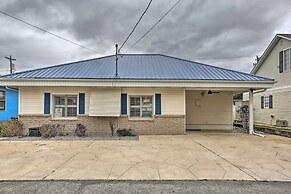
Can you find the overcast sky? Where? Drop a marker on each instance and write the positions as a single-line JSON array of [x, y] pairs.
[[226, 33]]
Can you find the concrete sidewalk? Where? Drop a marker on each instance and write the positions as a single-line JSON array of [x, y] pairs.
[[197, 155]]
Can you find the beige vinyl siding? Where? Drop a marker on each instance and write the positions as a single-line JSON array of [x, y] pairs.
[[173, 100], [281, 107], [270, 67], [105, 102], [208, 111], [281, 94], [32, 98]]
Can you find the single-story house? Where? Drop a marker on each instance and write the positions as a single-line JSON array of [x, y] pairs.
[[150, 93], [8, 103]]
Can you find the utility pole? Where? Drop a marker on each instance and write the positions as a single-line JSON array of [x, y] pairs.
[[11, 64]]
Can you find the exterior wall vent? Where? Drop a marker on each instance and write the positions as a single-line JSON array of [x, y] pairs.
[[282, 123]]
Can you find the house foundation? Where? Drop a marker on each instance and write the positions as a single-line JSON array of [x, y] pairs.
[[159, 125]]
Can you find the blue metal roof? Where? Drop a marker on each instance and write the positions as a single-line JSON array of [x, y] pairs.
[[137, 66]]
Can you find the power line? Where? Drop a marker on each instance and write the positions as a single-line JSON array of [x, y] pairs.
[[53, 34], [37, 57], [40, 57], [135, 25], [154, 25], [226, 58]]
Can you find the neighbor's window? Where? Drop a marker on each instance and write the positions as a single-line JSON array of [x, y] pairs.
[[65, 106], [266, 102], [2, 100], [141, 106], [287, 59]]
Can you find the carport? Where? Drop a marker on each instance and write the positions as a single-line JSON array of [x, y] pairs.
[[212, 108]]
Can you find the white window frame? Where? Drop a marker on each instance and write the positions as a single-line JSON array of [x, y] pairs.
[[140, 106], [66, 106], [266, 101], [287, 63], [4, 94]]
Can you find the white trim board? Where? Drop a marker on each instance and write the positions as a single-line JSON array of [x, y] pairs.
[[141, 83]]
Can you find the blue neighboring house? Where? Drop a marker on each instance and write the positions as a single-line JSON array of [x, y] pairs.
[[8, 103]]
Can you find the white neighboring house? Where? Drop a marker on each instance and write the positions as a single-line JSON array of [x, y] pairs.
[[274, 103]]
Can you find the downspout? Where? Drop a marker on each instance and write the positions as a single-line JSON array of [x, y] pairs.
[[253, 132]]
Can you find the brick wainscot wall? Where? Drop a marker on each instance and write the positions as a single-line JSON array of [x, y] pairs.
[[159, 125]]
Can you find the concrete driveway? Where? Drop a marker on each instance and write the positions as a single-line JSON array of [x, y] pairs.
[[196, 155]]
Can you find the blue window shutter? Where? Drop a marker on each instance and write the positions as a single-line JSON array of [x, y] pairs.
[[124, 104], [81, 103], [47, 102], [158, 106]]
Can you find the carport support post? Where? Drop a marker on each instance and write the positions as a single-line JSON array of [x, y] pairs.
[[251, 111]]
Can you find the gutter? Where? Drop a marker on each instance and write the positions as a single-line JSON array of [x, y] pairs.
[[134, 80], [14, 89], [259, 91]]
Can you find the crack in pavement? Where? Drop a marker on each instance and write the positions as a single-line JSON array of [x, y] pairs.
[[126, 171], [224, 159], [110, 171], [67, 161]]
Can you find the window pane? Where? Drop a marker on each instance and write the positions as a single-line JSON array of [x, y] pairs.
[[266, 101], [72, 111], [135, 112], [147, 101], [2, 105], [287, 60], [147, 106], [147, 112], [141, 106], [72, 100], [60, 100], [65, 106], [2, 95], [134, 101]]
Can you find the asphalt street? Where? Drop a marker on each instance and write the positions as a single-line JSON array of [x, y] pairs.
[[100, 186]]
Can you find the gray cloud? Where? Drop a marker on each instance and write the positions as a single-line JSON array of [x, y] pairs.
[[227, 33]]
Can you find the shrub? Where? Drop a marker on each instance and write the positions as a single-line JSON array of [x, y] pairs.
[[48, 131], [125, 132], [11, 128], [80, 130]]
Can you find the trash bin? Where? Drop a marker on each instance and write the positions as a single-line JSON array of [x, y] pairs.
[[34, 132]]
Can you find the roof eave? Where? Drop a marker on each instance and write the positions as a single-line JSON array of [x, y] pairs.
[[137, 83]]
